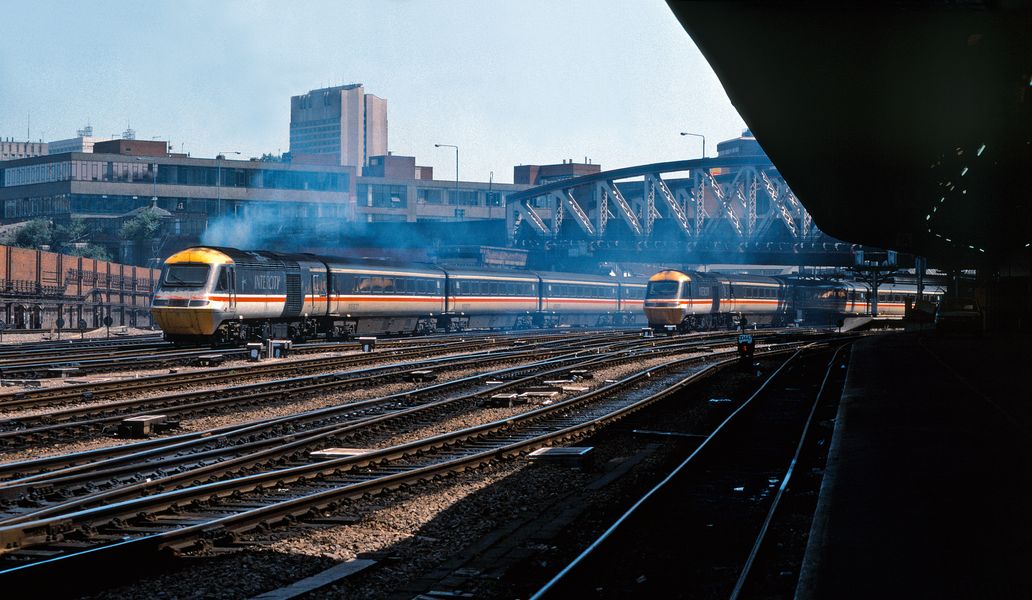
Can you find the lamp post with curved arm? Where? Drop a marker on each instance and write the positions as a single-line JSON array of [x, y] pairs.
[[456, 167], [703, 141]]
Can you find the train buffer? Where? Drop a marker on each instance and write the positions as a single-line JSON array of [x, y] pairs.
[[421, 375]]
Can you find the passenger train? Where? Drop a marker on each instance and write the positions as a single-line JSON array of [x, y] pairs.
[[228, 296], [694, 300]]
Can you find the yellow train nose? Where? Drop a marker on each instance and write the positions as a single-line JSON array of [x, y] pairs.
[[664, 316], [185, 321]]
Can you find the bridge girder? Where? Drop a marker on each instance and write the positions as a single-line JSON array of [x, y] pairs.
[[735, 201]]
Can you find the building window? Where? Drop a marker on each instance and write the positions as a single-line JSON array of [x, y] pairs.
[[382, 196], [463, 197], [429, 196]]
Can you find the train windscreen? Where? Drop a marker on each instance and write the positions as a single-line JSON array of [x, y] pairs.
[[663, 289], [185, 276]]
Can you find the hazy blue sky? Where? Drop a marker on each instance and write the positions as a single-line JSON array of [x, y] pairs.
[[508, 82]]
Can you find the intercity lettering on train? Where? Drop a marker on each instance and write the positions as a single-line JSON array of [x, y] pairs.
[[266, 282]]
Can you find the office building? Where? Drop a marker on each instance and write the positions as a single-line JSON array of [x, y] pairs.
[[82, 142], [542, 174], [256, 204], [12, 150], [106, 190], [343, 122]]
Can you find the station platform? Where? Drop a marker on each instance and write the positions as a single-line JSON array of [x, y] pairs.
[[929, 479]]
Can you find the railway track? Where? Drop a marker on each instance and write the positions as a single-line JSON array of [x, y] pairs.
[[160, 354], [88, 421], [715, 510], [191, 458], [78, 393], [217, 511]]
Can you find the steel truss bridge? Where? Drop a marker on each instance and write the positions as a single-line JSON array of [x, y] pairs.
[[727, 210]]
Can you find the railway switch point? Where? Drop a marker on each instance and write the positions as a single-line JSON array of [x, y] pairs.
[[502, 400], [332, 453], [145, 425], [317, 581], [570, 456], [367, 343], [63, 372], [418, 376], [210, 360], [581, 373]]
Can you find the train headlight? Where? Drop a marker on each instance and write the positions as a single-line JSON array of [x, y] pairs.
[[198, 303]]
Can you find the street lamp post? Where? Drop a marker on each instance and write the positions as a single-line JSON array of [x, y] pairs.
[[703, 141], [456, 167], [218, 180]]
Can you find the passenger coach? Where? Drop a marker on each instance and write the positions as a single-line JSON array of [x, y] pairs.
[[225, 295]]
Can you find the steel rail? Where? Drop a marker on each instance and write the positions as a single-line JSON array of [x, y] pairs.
[[545, 589], [743, 575], [291, 442], [89, 457], [79, 462], [63, 415], [537, 432], [94, 390], [23, 428]]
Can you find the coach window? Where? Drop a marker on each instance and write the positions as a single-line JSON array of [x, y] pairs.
[[223, 283]]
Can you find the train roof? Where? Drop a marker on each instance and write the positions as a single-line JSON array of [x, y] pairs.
[[554, 276], [504, 273], [267, 258]]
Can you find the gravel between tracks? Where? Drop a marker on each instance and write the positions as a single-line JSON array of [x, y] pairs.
[[131, 374], [96, 334], [412, 532], [236, 381], [243, 416]]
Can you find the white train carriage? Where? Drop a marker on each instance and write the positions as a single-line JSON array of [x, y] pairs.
[[491, 299], [366, 297], [893, 298], [758, 299], [631, 302], [579, 299]]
